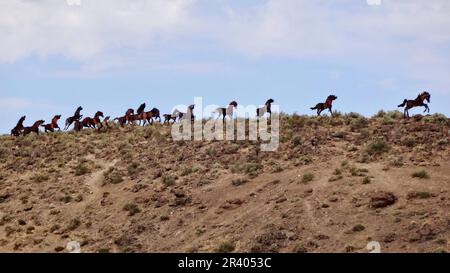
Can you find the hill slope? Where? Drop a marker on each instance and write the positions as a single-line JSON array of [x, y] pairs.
[[333, 186]]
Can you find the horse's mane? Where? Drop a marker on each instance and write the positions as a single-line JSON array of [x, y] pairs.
[[37, 123]]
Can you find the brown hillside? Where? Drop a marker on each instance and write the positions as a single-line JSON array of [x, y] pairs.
[[333, 186]]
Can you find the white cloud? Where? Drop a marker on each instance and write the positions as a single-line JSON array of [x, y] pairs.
[[114, 34], [12, 104], [51, 27]]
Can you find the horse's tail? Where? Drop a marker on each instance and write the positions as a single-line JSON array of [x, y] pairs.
[[404, 103], [314, 108]]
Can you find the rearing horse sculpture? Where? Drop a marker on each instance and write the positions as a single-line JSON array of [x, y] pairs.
[[419, 101], [53, 125], [75, 117], [19, 127], [140, 111], [267, 108], [129, 116]]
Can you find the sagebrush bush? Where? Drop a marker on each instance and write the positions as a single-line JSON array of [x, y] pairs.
[[168, 180], [39, 178], [359, 123], [308, 177], [113, 176], [226, 247], [239, 182], [409, 142], [132, 209], [436, 118], [81, 169], [74, 224], [377, 147], [421, 174]]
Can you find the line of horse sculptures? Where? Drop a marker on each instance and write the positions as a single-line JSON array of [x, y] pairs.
[[143, 117]]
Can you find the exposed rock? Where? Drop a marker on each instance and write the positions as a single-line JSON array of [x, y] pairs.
[[382, 199]]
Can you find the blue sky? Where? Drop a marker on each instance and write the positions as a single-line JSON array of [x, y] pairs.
[[115, 54]]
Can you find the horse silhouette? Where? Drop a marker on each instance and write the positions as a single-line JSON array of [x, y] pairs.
[[419, 101], [34, 128], [53, 125], [227, 112], [328, 104], [76, 116], [16, 131]]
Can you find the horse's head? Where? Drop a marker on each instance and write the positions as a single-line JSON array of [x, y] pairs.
[[426, 96], [234, 103], [270, 101], [57, 117], [79, 108], [129, 112], [39, 123], [22, 119], [191, 107], [141, 108], [332, 97]]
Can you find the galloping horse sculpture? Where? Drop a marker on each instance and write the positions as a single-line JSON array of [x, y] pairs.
[[171, 117], [328, 104], [419, 101], [93, 122]]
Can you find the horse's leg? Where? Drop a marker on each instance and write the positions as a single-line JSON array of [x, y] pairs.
[[331, 110]]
